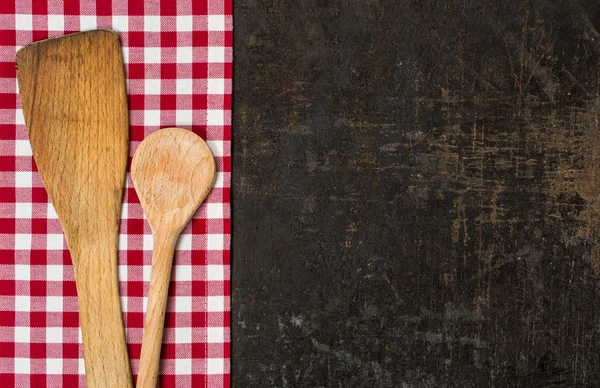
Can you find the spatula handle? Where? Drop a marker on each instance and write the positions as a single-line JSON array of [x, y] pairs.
[[162, 259], [104, 348]]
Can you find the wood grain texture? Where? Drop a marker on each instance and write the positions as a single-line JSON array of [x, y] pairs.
[[173, 170], [75, 106]]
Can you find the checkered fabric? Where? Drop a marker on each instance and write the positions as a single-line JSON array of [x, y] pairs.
[[178, 57]]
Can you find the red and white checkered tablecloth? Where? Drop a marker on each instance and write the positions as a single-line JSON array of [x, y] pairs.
[[178, 56]]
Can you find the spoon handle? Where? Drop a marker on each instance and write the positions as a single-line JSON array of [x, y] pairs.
[[162, 259]]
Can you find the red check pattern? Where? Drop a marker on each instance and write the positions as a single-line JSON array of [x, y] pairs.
[[178, 57]]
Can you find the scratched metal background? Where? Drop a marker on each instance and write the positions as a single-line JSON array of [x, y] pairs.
[[416, 193]]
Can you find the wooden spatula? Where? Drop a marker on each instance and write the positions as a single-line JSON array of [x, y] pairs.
[[75, 106], [172, 170]]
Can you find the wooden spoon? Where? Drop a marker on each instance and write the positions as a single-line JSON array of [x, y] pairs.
[[173, 170], [75, 106]]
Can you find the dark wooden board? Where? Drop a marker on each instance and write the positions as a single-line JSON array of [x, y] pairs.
[[416, 194]]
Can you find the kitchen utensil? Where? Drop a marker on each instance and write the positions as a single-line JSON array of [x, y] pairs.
[[173, 170], [75, 106]]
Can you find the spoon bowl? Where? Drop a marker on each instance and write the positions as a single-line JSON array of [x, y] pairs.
[[173, 170]]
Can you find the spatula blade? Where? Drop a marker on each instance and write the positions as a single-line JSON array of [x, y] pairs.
[[74, 102]]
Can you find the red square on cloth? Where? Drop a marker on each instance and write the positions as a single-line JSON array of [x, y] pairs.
[[178, 64]]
